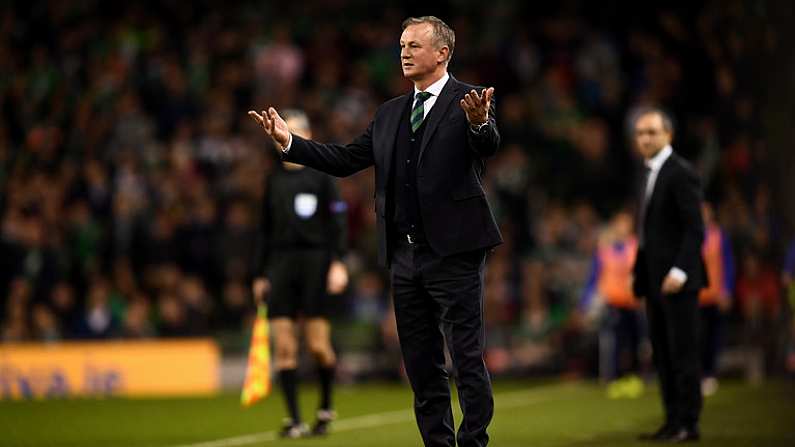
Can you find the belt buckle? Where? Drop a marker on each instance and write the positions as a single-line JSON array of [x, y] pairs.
[[408, 238]]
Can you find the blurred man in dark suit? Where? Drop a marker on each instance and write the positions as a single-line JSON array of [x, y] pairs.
[[669, 272]]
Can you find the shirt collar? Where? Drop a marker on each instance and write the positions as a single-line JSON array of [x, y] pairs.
[[655, 163], [436, 88]]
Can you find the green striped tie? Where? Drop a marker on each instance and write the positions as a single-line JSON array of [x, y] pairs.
[[418, 112]]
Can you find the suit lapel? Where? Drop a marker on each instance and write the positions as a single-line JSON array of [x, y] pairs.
[[438, 111], [391, 130]]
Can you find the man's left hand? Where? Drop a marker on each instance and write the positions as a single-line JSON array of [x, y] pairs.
[[476, 106], [337, 279], [672, 285]]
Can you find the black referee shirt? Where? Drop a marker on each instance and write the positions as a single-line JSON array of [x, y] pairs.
[[302, 209]]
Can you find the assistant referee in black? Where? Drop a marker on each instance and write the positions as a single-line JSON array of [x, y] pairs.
[[303, 224]]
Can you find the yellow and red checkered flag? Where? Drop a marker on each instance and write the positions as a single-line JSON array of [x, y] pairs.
[[258, 372]]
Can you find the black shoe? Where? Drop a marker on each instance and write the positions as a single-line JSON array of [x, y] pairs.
[[293, 430], [324, 418], [682, 435], [664, 432]]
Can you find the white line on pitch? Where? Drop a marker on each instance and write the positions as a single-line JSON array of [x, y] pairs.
[[512, 399]]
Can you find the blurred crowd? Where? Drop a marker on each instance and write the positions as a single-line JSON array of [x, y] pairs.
[[131, 178]]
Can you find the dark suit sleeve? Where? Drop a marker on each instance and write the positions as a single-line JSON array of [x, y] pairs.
[[687, 196], [486, 142], [334, 159]]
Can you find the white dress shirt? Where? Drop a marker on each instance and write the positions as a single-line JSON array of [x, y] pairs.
[[435, 90], [655, 164]]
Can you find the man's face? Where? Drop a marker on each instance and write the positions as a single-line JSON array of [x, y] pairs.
[[651, 135], [419, 56]]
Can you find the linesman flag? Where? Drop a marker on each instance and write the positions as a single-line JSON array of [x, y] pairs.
[[258, 372]]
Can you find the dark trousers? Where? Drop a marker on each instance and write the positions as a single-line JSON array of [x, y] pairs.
[[711, 334], [440, 299], [673, 329]]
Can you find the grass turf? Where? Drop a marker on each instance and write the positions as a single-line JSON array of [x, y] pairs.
[[527, 414]]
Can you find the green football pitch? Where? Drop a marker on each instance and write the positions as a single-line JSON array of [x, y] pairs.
[[526, 414]]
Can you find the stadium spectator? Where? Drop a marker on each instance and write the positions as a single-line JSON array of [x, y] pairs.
[[98, 319], [759, 300]]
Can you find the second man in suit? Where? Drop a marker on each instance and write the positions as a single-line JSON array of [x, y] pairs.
[[669, 272]]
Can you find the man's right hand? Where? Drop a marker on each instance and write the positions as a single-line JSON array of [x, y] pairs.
[[274, 126], [260, 288]]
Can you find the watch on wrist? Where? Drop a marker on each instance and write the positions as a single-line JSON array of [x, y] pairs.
[[477, 128]]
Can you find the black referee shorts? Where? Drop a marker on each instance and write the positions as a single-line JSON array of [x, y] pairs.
[[298, 284]]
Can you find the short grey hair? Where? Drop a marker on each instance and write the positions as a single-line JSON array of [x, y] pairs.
[[667, 121], [443, 35], [299, 118]]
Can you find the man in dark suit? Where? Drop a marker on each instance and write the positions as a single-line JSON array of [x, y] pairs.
[[434, 223], [669, 272]]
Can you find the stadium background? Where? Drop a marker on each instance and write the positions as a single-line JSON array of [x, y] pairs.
[[130, 176]]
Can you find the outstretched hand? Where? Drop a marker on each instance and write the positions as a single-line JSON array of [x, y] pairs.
[[476, 106], [260, 289], [274, 126]]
